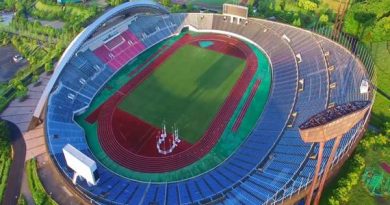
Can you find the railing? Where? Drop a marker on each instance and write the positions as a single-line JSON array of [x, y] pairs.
[[361, 53]]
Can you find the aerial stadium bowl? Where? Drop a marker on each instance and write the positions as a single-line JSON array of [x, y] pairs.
[[194, 108]]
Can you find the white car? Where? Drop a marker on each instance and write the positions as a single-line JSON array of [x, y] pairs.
[[17, 58]]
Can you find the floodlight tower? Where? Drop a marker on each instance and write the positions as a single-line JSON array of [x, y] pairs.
[[329, 124]]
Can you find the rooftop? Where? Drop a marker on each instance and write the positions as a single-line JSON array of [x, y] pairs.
[[333, 113]]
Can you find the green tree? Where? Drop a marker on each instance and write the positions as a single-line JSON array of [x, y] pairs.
[[21, 91], [324, 19], [381, 30], [166, 3], [4, 134], [3, 101], [9, 4], [364, 19], [175, 8], [34, 78], [115, 2], [297, 22], [250, 2], [307, 5], [48, 67]]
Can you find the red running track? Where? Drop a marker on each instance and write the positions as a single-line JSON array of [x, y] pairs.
[[118, 149], [138, 136]]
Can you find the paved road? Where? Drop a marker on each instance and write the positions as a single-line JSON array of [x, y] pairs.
[[17, 167]]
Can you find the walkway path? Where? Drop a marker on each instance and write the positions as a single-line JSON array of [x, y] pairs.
[[25, 190], [35, 142], [21, 112], [17, 167]]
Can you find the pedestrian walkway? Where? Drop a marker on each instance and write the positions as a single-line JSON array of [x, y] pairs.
[[14, 180], [21, 112], [25, 191], [35, 142]]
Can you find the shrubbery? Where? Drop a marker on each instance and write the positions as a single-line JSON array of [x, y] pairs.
[[22, 200], [70, 13], [38, 192], [301, 13], [369, 20], [40, 45], [115, 2], [5, 38], [5, 157], [356, 165]]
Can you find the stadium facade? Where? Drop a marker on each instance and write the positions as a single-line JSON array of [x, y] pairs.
[[310, 73]]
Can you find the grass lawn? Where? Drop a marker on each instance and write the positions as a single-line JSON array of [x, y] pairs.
[[185, 91], [360, 194], [381, 110]]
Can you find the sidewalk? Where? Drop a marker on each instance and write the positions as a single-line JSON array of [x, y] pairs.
[[25, 190]]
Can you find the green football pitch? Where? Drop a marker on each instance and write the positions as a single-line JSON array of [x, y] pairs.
[[186, 92], [228, 142]]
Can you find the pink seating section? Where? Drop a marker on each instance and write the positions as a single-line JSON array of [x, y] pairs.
[[120, 50]]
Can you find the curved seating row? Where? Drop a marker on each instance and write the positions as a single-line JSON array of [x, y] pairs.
[[272, 160]]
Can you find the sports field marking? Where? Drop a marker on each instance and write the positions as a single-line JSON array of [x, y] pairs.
[[226, 144], [248, 102], [106, 122], [186, 92]]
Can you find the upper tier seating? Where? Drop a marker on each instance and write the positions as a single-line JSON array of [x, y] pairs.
[[271, 160]]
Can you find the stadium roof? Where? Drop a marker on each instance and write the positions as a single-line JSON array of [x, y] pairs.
[[83, 36], [331, 114]]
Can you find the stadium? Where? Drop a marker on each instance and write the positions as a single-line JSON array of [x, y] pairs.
[[198, 108]]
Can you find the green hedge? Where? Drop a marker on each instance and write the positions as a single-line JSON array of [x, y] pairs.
[[38, 192], [22, 200], [5, 163], [5, 157]]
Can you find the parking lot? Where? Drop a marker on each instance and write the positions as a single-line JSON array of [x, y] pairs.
[[8, 68]]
